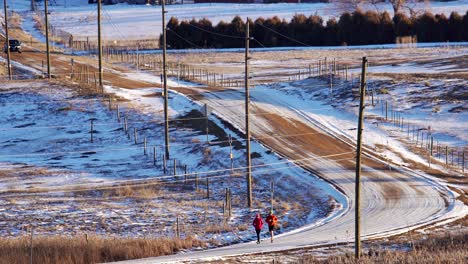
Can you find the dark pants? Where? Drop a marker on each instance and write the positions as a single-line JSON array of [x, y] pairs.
[[258, 234]]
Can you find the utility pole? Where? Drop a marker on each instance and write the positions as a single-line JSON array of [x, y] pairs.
[[7, 39], [100, 42], [46, 13], [357, 230], [272, 190], [247, 125], [166, 95]]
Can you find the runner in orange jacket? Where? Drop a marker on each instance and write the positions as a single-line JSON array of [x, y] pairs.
[[271, 220]]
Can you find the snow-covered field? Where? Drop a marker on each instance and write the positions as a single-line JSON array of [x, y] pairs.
[[46, 147], [123, 22], [55, 178], [413, 101], [311, 101]]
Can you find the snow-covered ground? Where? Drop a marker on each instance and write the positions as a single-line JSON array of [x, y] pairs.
[[46, 143], [46, 146], [416, 201], [124, 21]]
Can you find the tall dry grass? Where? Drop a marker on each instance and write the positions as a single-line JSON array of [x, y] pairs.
[[440, 249], [59, 249]]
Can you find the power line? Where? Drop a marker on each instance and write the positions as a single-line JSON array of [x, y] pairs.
[[156, 145], [179, 36], [153, 120], [256, 40], [295, 40], [143, 181], [216, 33], [120, 34]]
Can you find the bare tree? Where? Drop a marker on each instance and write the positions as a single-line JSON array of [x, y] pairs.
[[412, 6], [397, 5], [347, 5], [416, 7]]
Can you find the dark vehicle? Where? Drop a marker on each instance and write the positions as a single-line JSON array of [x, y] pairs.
[[15, 45]]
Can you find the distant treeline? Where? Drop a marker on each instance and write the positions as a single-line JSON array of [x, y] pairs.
[[357, 28]]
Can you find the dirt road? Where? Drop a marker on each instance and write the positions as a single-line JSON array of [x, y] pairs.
[[393, 201]]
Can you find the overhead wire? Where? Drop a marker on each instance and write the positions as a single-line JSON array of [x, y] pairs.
[[152, 120], [256, 40], [116, 29], [182, 38], [280, 34], [216, 33], [152, 145], [143, 181]]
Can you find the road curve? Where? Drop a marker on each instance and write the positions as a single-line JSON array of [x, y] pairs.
[[393, 200]]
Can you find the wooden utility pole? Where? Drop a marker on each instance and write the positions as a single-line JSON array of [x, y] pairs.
[[166, 96], [247, 125], [46, 14], [272, 190], [7, 39], [100, 43], [357, 237]]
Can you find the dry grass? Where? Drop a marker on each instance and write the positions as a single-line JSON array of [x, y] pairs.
[[441, 249], [145, 192], [64, 250], [218, 228]]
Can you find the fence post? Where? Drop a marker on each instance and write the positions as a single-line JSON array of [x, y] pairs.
[[432, 145], [207, 188], [177, 227], [407, 132], [446, 156], [463, 162], [92, 129], [451, 153], [226, 202], [72, 62], [118, 113], [422, 139], [230, 202], [31, 246], [386, 110]]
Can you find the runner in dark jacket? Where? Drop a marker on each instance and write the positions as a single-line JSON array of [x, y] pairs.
[[258, 224]]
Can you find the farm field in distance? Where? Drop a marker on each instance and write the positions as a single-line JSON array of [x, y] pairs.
[[87, 166]]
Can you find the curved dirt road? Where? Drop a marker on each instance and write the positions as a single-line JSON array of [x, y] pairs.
[[393, 200]]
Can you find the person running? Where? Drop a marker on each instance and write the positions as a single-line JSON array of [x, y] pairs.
[[271, 220], [258, 224]]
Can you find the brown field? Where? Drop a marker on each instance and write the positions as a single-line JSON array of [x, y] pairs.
[[446, 249], [60, 249]]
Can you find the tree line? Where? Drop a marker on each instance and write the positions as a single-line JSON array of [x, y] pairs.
[[356, 28]]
